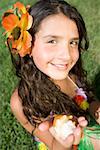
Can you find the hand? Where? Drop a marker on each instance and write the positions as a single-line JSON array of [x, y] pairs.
[[72, 139]]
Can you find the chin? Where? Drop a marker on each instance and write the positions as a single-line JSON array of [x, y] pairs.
[[58, 77]]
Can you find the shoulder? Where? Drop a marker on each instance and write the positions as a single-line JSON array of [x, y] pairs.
[[15, 101], [17, 108]]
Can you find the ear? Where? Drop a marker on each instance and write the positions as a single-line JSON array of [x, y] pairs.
[[30, 54], [31, 51], [32, 48]]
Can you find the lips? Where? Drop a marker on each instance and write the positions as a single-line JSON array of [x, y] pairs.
[[60, 66]]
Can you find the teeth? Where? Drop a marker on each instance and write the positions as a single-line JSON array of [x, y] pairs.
[[60, 65]]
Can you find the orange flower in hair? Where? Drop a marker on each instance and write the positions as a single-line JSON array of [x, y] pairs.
[[17, 22]]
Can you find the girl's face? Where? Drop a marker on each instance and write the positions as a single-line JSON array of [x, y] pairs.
[[55, 49]]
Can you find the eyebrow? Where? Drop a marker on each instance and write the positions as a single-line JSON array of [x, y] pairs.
[[76, 38], [55, 37]]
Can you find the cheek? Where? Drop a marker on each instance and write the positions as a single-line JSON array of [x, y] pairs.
[[75, 55], [40, 56]]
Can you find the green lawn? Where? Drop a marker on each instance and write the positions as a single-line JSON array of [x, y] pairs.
[[12, 135]]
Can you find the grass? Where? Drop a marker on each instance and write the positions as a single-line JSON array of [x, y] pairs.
[[12, 135]]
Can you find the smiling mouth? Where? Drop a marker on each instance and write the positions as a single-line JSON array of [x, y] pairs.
[[60, 66]]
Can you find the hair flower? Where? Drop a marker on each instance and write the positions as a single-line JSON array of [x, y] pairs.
[[16, 23]]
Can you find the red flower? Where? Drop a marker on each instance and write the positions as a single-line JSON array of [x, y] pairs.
[[79, 99]]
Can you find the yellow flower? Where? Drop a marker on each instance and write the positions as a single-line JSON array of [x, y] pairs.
[[84, 105], [42, 146]]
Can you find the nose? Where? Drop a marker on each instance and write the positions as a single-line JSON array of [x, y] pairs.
[[64, 52]]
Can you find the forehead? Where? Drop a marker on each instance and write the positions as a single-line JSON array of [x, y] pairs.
[[58, 24]]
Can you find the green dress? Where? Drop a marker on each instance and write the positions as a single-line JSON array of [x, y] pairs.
[[90, 132]]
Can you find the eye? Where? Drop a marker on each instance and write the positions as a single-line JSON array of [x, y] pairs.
[[52, 41], [74, 43]]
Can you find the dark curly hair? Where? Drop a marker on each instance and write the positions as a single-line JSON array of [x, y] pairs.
[[39, 95]]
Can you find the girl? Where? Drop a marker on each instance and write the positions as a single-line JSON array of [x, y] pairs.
[[46, 44]]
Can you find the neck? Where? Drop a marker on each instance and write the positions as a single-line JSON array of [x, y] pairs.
[[60, 83], [67, 86]]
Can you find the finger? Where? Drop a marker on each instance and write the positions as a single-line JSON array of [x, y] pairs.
[[44, 126], [52, 131], [69, 141], [54, 134], [77, 135], [82, 121]]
